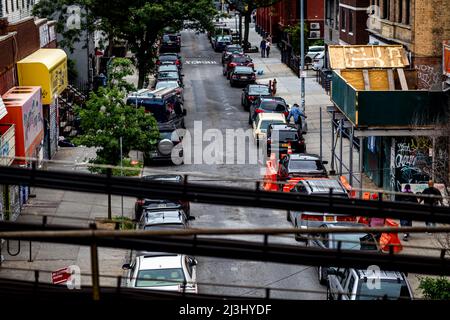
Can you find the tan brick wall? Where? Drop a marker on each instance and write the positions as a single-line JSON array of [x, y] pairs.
[[431, 26]]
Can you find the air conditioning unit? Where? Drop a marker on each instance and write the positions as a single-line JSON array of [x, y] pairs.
[[314, 26], [314, 35]]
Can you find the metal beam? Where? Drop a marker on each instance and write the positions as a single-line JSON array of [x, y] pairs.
[[398, 132]]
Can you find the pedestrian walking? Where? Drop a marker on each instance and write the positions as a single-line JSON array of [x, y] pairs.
[[274, 87], [269, 38], [434, 198], [297, 114], [268, 45], [407, 196], [262, 46]]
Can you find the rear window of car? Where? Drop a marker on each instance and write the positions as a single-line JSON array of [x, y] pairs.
[[286, 136], [388, 289], [168, 58], [240, 69], [171, 135], [273, 105], [160, 277], [168, 74], [166, 84], [307, 165], [258, 90], [316, 49], [266, 123], [353, 241], [241, 59], [164, 226]]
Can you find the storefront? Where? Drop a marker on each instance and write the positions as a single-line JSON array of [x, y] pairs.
[[46, 68]]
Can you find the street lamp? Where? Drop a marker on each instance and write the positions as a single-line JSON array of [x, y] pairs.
[[302, 54]]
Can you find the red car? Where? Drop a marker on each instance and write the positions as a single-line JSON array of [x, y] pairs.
[[236, 60]]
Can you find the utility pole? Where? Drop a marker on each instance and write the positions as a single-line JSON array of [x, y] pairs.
[[302, 53]]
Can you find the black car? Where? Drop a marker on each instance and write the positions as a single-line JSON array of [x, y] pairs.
[[170, 43], [242, 75], [169, 146], [302, 165], [231, 49], [283, 137], [169, 58], [253, 91], [236, 60], [154, 204], [348, 241], [221, 42], [267, 104]]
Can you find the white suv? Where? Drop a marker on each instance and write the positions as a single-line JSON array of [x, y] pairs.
[[313, 51], [162, 271], [355, 284]]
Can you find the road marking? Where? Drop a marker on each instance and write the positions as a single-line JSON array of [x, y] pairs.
[[197, 62]]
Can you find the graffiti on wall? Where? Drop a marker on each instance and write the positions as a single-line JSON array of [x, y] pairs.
[[428, 76], [410, 161]]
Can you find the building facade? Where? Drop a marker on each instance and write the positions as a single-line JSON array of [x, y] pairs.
[[16, 10], [353, 21], [420, 26]]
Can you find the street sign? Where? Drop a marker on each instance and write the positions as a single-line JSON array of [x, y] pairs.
[[61, 276], [302, 74]]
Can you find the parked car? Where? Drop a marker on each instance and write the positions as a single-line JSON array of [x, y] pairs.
[[314, 187], [165, 105], [241, 75], [235, 60], [313, 51], [301, 165], [171, 84], [169, 146], [268, 105], [168, 68], [262, 123], [169, 76], [357, 284], [162, 271], [253, 91], [221, 42], [284, 137], [142, 203], [163, 219], [231, 49], [318, 61], [170, 43], [169, 58], [348, 241]]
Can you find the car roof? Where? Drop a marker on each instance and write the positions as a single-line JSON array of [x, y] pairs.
[[243, 68], [382, 274], [164, 177], [272, 99], [163, 261], [323, 185], [345, 225], [271, 116], [163, 216], [283, 127], [304, 156]]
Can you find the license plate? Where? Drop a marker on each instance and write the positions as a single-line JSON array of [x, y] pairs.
[[329, 218], [285, 145], [244, 77], [162, 205]]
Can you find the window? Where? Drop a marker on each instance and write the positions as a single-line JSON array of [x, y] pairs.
[[12, 5], [400, 11], [350, 21], [407, 11], [386, 9], [343, 20]]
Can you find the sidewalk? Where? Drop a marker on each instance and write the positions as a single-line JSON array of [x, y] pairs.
[[288, 87], [60, 206]]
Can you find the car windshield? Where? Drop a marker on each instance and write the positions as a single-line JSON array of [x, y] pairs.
[[273, 105], [160, 277], [166, 84], [168, 58], [168, 38], [255, 90], [171, 135], [170, 67], [316, 49], [353, 241], [243, 70], [285, 136], [306, 165], [168, 75], [388, 289], [266, 123]]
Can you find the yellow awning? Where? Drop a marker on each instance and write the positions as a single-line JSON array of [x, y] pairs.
[[46, 68]]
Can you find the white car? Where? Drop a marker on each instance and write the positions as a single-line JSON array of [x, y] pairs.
[[313, 51], [171, 84], [318, 61], [262, 123], [162, 271]]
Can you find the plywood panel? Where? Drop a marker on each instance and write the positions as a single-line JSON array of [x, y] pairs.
[[355, 78], [379, 80], [343, 57]]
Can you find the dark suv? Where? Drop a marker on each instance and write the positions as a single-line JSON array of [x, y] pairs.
[[284, 137], [170, 43], [169, 146], [267, 104], [159, 204]]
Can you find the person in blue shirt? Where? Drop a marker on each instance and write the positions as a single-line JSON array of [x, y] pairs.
[[297, 114]]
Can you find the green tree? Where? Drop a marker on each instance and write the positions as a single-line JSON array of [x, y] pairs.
[[435, 289], [246, 7], [139, 22], [294, 37], [118, 69], [106, 118]]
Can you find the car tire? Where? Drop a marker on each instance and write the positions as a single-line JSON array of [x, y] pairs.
[[288, 215]]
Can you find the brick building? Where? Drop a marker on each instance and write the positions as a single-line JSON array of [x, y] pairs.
[[272, 20], [353, 21], [420, 26]]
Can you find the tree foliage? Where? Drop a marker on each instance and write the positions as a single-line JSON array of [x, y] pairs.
[[106, 118], [294, 37], [435, 289], [139, 22], [118, 69]]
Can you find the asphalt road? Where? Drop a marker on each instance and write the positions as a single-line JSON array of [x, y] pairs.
[[210, 99]]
